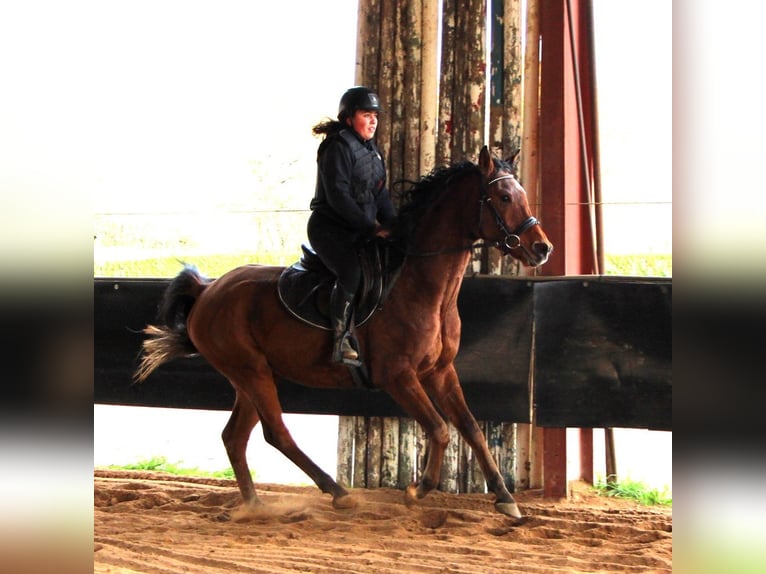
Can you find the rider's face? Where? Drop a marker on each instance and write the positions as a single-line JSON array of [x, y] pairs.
[[364, 123]]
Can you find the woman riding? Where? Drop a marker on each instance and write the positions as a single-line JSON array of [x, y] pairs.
[[351, 204]]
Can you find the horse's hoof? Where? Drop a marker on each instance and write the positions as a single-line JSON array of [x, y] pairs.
[[344, 502], [509, 509], [411, 495]]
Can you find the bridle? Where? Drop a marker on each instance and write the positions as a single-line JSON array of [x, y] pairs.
[[512, 239]]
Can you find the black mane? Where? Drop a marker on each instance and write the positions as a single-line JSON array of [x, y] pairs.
[[414, 197]]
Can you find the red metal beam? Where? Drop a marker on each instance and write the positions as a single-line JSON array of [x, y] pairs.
[[566, 175]]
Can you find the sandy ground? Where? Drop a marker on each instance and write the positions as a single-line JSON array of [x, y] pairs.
[[157, 523]]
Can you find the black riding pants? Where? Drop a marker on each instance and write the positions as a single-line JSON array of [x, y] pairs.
[[337, 248]]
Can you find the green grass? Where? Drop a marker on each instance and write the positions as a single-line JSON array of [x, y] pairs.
[[215, 265], [161, 464], [211, 266], [639, 265], [634, 490]]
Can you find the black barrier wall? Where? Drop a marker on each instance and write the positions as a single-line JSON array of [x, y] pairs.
[[602, 355]]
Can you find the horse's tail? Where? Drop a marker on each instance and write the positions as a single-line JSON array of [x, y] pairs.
[[169, 339]]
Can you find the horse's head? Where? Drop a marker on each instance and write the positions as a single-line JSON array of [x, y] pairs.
[[506, 217]]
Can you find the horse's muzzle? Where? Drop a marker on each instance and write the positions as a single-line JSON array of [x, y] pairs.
[[540, 252]]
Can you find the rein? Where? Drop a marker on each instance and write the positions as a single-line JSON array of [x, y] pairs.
[[512, 239]]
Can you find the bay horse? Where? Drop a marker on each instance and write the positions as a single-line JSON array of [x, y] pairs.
[[238, 324]]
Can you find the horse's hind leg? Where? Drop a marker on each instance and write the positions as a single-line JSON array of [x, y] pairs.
[[235, 437], [263, 393], [446, 392]]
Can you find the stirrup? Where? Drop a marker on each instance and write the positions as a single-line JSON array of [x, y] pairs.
[[345, 353]]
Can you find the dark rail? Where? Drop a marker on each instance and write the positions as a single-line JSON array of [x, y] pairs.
[[602, 354]]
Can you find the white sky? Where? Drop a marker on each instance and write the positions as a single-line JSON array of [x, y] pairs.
[[137, 106]]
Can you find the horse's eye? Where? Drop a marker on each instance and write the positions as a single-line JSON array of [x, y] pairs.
[[506, 199]]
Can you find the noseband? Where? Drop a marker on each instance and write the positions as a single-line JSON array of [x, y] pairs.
[[512, 238]]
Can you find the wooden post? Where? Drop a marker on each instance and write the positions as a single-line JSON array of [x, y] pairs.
[[493, 432], [477, 482], [555, 462], [345, 465], [446, 130], [389, 463], [536, 457], [449, 470], [407, 456], [410, 42], [464, 466], [428, 87], [586, 455], [390, 129], [508, 442], [421, 450], [512, 78], [368, 43], [611, 456], [523, 460], [474, 78], [360, 452], [374, 432], [530, 159]]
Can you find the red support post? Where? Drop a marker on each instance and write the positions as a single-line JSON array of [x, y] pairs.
[[565, 170]]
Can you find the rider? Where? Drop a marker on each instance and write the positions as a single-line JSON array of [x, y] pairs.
[[350, 204]]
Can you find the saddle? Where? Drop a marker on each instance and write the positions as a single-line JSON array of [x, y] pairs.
[[304, 287]]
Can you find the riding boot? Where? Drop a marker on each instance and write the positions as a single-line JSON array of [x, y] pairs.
[[342, 309]]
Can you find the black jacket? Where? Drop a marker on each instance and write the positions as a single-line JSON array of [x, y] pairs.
[[351, 183]]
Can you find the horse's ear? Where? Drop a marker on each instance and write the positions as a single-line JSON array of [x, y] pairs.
[[513, 161], [485, 161]]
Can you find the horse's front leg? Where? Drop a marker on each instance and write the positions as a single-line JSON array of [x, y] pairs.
[[407, 391], [444, 388]]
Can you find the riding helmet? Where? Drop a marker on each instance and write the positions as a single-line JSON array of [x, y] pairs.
[[358, 98]]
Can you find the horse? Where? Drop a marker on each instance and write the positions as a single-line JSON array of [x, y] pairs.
[[239, 325]]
